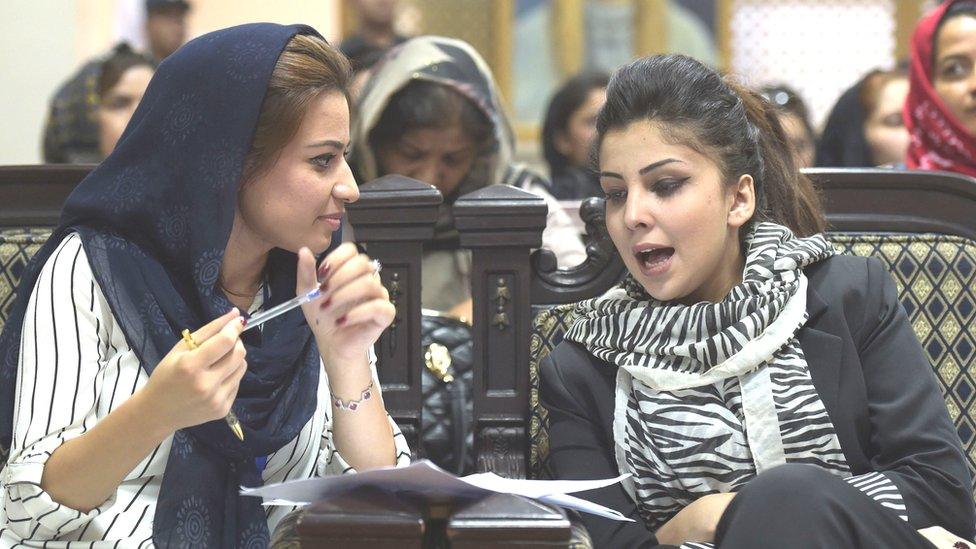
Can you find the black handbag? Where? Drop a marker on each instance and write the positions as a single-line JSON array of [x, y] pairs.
[[446, 435]]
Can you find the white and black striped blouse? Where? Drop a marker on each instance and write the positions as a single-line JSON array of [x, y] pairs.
[[75, 368]]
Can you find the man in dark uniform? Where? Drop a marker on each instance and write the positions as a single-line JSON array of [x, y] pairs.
[[374, 35]]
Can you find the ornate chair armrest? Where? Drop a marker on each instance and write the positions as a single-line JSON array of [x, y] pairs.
[[366, 519], [508, 521]]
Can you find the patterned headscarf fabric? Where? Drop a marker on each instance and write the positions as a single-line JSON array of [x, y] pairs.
[[155, 218], [710, 395], [455, 64], [938, 140], [71, 131]]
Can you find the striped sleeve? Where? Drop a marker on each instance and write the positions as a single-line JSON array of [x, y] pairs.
[[697, 545], [330, 460], [57, 379], [882, 490]]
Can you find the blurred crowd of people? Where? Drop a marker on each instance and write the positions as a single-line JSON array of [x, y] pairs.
[[450, 129]]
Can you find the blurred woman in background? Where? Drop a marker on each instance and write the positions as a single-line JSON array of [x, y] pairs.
[[865, 128], [941, 110], [122, 81], [567, 136], [431, 111], [795, 119]]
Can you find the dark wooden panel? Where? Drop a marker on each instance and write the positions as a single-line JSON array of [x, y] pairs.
[[363, 520], [500, 224], [33, 195], [882, 200], [505, 520], [393, 218], [602, 268]]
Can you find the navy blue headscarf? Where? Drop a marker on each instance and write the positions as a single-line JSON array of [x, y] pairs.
[[155, 218]]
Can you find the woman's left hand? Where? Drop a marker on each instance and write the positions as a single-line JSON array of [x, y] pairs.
[[355, 307]]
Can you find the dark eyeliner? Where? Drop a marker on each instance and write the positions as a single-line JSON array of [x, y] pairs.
[[323, 160], [667, 187]]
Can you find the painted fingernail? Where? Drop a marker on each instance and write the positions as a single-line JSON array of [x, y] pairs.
[[323, 286], [243, 322], [323, 270], [325, 304], [341, 320]]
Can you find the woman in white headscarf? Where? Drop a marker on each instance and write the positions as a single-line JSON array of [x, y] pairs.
[[431, 111]]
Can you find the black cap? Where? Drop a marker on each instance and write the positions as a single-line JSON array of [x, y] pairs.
[[154, 5]]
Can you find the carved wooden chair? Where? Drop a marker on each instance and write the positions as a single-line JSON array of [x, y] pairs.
[[30, 206], [393, 218], [922, 226]]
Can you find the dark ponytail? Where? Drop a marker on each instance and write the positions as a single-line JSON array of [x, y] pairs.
[[789, 197], [696, 107]]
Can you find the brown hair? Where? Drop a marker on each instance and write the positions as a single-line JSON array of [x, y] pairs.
[[308, 67], [874, 83], [423, 104], [113, 68], [695, 106], [789, 197]]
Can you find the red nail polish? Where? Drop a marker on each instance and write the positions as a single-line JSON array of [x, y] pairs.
[[341, 320], [323, 270], [243, 322], [325, 304], [323, 286]]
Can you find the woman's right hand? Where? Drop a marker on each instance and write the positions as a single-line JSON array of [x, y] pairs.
[[190, 387]]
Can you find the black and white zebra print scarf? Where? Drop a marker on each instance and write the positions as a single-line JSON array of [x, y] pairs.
[[709, 395]]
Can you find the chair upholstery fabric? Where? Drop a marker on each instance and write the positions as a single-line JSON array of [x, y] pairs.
[[936, 279], [17, 246], [549, 324]]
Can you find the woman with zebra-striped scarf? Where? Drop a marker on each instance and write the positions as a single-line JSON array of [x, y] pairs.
[[760, 390]]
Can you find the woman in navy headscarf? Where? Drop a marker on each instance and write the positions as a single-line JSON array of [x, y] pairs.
[[228, 179]]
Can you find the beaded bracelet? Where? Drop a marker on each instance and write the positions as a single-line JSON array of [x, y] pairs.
[[353, 405]]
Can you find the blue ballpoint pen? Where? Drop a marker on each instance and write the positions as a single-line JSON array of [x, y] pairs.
[[282, 308], [259, 319], [296, 301], [277, 310]]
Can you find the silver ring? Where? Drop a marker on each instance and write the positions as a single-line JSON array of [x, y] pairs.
[[377, 266]]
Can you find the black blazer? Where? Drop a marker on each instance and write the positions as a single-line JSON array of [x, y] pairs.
[[874, 379]]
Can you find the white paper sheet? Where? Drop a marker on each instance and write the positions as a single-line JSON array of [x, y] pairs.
[[431, 483], [536, 488], [573, 502]]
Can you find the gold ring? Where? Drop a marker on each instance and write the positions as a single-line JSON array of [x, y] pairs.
[[188, 339]]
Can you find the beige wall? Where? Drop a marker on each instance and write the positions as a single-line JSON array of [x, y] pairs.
[[208, 15], [37, 43], [42, 42]]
